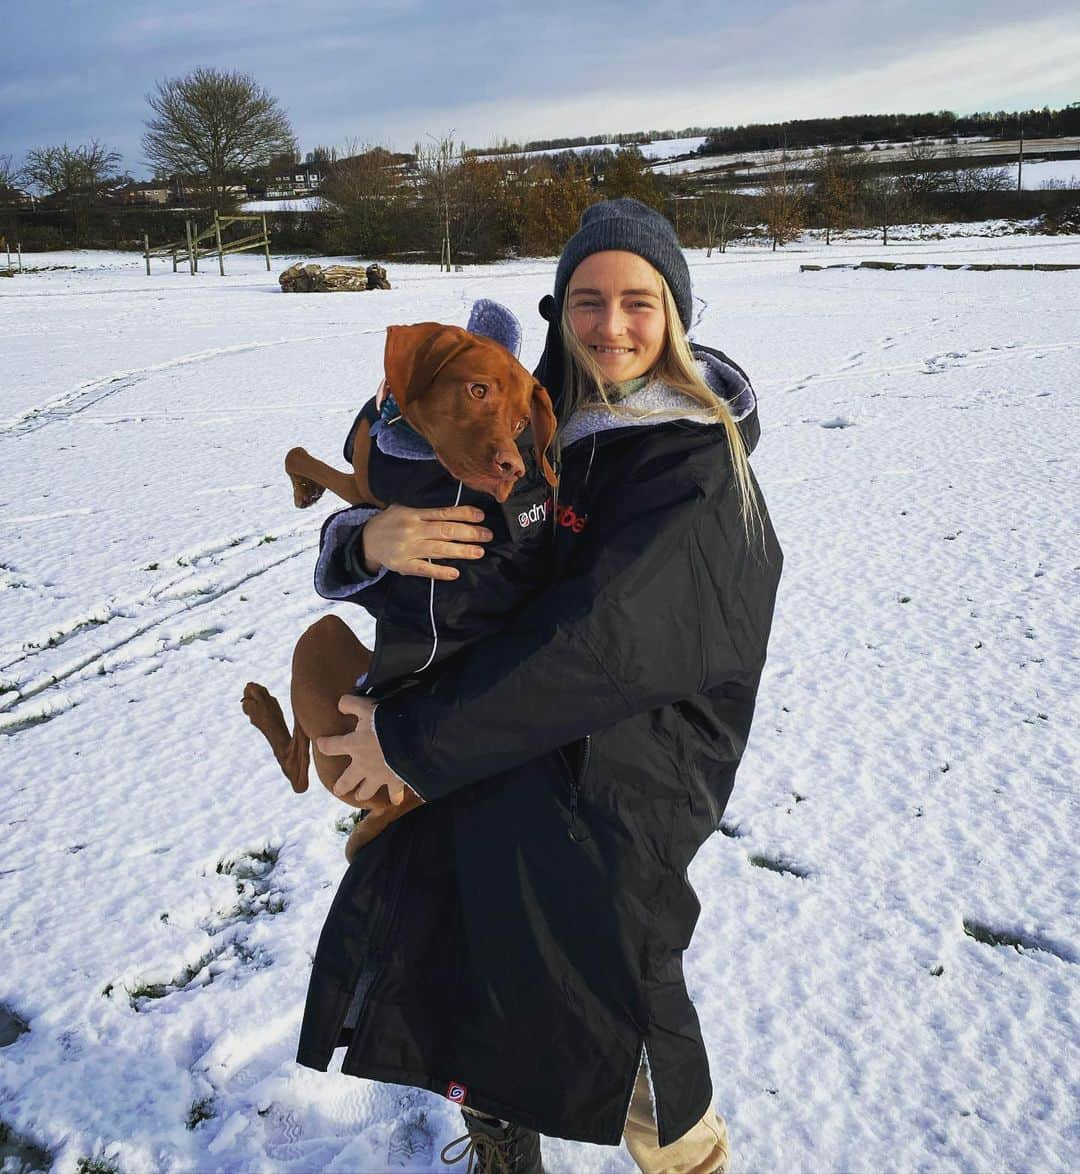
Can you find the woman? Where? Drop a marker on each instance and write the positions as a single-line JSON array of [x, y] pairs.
[[516, 942]]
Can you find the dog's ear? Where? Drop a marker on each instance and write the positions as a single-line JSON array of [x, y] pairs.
[[413, 355], [543, 429]]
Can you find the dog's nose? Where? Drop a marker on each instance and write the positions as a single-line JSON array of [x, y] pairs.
[[508, 462]]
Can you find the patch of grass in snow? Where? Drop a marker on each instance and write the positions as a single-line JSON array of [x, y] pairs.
[[96, 1166], [254, 888], [345, 823], [214, 962], [249, 865], [12, 1025], [267, 538], [19, 1153], [200, 1111], [776, 864]]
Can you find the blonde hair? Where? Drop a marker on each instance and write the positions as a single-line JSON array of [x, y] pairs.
[[584, 383]]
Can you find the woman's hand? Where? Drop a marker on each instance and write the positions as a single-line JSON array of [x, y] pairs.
[[361, 780], [402, 539]]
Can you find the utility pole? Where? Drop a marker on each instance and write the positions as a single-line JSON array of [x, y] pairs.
[[1020, 163]]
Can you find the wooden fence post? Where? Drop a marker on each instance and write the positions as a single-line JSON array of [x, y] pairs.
[[146, 246], [220, 254], [193, 264], [18, 249], [266, 237]]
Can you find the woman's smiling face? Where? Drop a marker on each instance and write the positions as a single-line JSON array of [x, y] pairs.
[[617, 311]]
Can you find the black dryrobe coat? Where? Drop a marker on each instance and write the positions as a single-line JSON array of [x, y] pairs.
[[517, 941]]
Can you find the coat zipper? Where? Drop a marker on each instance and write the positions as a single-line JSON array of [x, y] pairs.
[[577, 831], [371, 971]]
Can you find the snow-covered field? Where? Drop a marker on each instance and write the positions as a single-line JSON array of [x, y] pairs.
[[887, 965], [294, 204], [1065, 172]]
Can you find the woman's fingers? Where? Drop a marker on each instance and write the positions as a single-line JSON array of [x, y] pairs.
[[454, 513], [426, 570], [400, 538], [452, 550]]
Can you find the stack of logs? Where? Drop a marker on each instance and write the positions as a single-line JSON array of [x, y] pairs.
[[315, 279]]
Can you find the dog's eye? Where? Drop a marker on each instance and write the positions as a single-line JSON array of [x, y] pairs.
[[478, 390], [519, 427]]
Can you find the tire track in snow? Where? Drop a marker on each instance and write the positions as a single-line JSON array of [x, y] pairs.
[[71, 403], [32, 701]]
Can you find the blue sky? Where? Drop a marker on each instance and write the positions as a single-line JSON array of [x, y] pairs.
[[375, 72]]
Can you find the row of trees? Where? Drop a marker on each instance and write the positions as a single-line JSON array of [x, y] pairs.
[[842, 131], [867, 128]]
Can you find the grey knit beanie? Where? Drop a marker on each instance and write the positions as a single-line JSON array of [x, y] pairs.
[[636, 228]]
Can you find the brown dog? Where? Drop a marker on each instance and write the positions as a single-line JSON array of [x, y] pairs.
[[466, 395], [470, 399]]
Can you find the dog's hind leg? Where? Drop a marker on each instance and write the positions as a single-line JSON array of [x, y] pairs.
[[326, 665], [292, 751]]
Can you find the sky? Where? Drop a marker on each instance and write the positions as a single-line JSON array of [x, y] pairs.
[[392, 72]]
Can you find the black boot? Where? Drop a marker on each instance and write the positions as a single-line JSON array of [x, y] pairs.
[[495, 1147]]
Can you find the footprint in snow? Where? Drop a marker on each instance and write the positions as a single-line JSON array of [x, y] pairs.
[[778, 864], [1021, 942], [12, 1026]]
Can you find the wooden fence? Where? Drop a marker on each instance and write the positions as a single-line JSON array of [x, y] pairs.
[[195, 244]]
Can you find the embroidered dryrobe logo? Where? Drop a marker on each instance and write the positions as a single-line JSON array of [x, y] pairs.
[[566, 516], [456, 1092], [536, 513]]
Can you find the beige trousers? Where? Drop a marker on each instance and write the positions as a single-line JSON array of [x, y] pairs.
[[703, 1149]]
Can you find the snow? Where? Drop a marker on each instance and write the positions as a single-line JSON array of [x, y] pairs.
[[909, 795], [657, 149], [1063, 172], [295, 204]]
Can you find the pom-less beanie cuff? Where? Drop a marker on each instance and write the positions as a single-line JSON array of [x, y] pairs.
[[634, 227]]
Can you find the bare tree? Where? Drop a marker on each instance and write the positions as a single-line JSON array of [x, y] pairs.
[[77, 170], [837, 185], [923, 170], [215, 124], [9, 173], [436, 164], [980, 179], [364, 188], [783, 201], [888, 202], [719, 214], [77, 174]]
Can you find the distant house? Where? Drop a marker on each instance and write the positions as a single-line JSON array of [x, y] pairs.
[[304, 179], [14, 197], [148, 192]]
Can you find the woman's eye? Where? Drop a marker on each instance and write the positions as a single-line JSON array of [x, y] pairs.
[[478, 390]]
